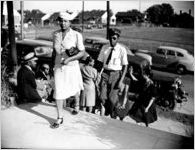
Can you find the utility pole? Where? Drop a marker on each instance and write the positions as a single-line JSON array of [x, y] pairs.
[[83, 16], [11, 29], [139, 5], [2, 18], [108, 18], [22, 18]]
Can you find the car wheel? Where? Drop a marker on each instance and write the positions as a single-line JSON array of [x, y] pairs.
[[180, 69]]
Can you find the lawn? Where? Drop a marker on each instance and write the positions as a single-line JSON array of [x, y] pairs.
[[137, 37]]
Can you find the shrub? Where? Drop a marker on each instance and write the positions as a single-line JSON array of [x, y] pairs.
[[7, 89]]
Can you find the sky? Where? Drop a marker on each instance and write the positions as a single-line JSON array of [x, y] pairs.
[[115, 5]]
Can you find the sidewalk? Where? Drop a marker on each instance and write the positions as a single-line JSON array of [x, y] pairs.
[[28, 126]]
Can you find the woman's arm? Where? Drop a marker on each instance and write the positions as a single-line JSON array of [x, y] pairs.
[[150, 104], [125, 95], [75, 57], [124, 71]]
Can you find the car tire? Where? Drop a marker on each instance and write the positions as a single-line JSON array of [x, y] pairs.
[[181, 69]]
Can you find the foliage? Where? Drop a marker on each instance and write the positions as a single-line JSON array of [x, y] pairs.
[[35, 15], [130, 16], [6, 88], [92, 15], [160, 14], [183, 20]]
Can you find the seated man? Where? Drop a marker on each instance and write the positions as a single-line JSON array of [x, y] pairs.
[[26, 84]]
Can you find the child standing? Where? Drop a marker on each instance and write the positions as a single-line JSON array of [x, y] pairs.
[[89, 75]]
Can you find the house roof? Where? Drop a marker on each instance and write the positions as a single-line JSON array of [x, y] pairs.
[[45, 17]]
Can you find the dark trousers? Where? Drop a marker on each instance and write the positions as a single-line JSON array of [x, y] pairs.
[[109, 91]]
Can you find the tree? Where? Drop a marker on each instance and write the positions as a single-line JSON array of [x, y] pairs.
[[130, 16], [160, 14], [183, 20], [154, 14], [167, 13], [35, 16]]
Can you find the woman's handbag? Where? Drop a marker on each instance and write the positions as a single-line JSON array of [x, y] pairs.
[[72, 51]]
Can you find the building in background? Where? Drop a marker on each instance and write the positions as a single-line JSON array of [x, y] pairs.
[[17, 17], [112, 19]]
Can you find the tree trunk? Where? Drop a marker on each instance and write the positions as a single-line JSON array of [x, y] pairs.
[[11, 30]]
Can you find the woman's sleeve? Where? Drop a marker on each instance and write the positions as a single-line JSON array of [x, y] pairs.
[[80, 44], [56, 43]]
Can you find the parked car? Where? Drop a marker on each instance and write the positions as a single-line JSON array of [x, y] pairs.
[[174, 58], [43, 50], [140, 66], [5, 36], [93, 45], [144, 54], [169, 90]]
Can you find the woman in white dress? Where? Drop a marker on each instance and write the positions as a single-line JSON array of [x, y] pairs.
[[67, 75]]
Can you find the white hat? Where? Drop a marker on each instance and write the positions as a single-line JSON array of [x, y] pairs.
[[67, 16], [30, 56]]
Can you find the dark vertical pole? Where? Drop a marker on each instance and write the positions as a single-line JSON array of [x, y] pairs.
[[2, 17], [22, 18], [108, 18], [83, 16], [11, 30]]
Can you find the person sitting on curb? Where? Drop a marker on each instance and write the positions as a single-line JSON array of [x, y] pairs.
[[26, 84]]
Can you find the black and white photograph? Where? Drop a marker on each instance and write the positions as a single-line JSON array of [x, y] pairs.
[[97, 74]]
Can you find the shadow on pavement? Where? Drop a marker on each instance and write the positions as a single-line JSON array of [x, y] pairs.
[[29, 108]]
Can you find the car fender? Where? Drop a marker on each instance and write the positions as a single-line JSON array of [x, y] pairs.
[[145, 56]]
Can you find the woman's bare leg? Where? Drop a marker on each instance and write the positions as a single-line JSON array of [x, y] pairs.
[[59, 104]]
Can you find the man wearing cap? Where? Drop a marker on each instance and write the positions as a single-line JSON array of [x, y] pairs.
[[113, 57], [67, 74], [26, 81]]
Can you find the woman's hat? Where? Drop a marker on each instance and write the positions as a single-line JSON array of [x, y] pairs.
[[30, 56], [67, 15]]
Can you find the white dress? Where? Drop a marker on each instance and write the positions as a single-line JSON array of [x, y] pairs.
[[67, 78]]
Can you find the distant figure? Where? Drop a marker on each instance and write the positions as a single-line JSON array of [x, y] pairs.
[[144, 108], [26, 87], [88, 95]]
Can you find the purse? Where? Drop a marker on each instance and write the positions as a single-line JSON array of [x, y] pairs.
[[72, 51]]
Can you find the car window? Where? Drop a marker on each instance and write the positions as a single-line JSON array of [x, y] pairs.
[[170, 53], [179, 54], [161, 51]]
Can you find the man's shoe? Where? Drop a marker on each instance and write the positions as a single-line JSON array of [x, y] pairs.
[[74, 112]]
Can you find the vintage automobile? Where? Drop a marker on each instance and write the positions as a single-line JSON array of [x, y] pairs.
[[173, 58], [168, 86], [43, 49], [93, 45], [169, 89], [144, 54], [140, 66], [5, 36]]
